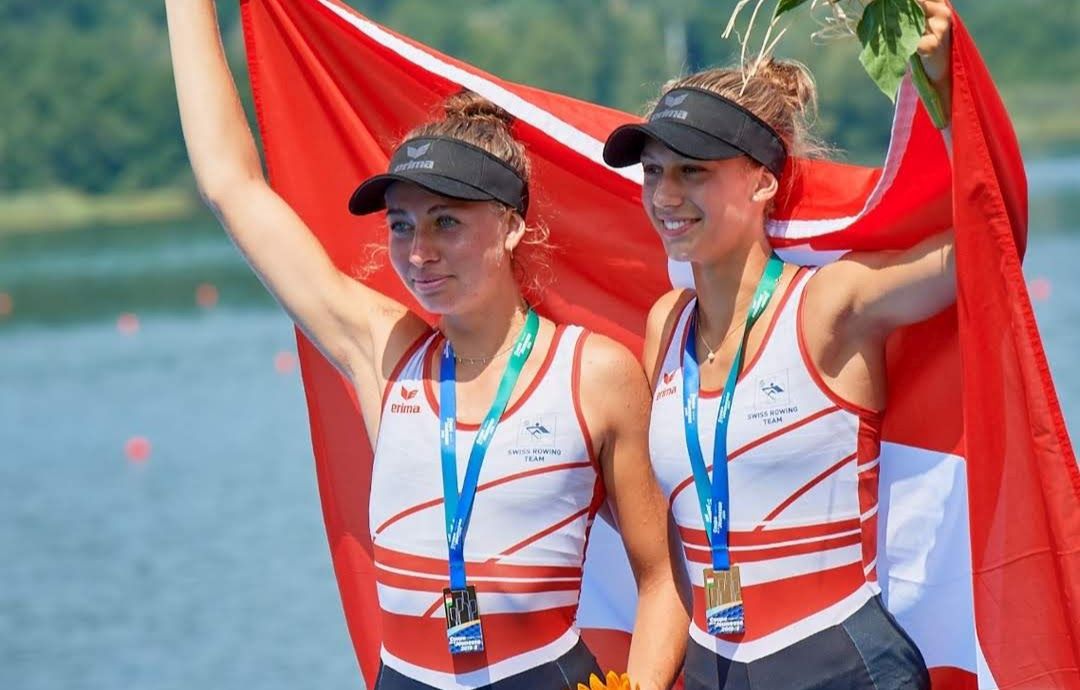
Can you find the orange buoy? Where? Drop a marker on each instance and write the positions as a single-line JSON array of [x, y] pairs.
[[206, 296], [284, 362], [127, 324], [1040, 289], [137, 449], [7, 305]]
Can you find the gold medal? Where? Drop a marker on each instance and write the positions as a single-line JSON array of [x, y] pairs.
[[723, 602]]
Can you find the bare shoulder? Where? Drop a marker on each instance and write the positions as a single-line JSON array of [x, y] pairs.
[[665, 310], [658, 327], [400, 336], [607, 361], [612, 385]]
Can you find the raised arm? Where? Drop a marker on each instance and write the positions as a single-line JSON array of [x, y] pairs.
[[882, 291], [876, 293], [349, 322], [615, 399]]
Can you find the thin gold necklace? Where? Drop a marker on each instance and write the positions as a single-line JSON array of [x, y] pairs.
[[711, 352], [484, 360]]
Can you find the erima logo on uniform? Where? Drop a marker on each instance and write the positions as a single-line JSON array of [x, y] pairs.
[[672, 100], [406, 407], [668, 388]]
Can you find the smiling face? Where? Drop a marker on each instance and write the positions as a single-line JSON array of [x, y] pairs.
[[452, 255], [704, 210]]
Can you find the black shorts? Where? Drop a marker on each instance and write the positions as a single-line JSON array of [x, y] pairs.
[[868, 651], [565, 672]]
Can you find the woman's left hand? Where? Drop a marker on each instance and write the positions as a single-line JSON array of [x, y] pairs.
[[935, 46]]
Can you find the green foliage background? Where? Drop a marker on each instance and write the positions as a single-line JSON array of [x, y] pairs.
[[88, 104]]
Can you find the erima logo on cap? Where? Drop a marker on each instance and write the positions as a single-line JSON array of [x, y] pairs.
[[414, 165], [670, 114], [417, 151]]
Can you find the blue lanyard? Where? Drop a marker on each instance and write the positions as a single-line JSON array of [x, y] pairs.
[[713, 496], [459, 506]]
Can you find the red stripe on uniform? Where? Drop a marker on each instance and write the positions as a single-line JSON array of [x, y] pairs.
[[869, 450], [418, 583], [438, 566], [540, 535], [759, 441], [771, 536], [501, 480], [805, 488], [575, 394], [770, 553]]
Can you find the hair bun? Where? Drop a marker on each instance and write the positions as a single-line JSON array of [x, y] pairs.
[[791, 79], [469, 105]]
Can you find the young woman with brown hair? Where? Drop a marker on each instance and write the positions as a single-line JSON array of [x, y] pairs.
[[773, 375]]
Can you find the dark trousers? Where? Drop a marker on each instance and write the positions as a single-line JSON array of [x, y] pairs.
[[868, 651], [565, 672]]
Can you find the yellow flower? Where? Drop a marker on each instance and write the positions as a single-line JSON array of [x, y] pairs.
[[614, 682]]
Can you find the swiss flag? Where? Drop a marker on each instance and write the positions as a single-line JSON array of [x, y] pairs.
[[980, 495]]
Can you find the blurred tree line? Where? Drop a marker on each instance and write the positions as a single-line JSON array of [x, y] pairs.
[[88, 101]]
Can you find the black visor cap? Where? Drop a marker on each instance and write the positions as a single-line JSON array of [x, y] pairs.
[[702, 125], [625, 145], [447, 167]]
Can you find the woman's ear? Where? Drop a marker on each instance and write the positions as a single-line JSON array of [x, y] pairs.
[[766, 187], [515, 231]]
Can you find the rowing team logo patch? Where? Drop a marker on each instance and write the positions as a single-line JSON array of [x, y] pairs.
[[536, 439], [772, 400]]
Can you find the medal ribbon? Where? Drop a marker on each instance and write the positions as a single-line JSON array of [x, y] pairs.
[[713, 496], [458, 507]]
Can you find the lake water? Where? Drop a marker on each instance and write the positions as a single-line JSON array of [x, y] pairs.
[[206, 565]]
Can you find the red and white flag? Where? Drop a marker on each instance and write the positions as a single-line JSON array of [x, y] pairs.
[[979, 552]]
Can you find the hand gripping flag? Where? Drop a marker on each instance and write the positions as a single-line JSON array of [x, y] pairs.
[[979, 522]]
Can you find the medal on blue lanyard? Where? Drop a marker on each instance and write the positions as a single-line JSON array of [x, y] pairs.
[[723, 588], [463, 630]]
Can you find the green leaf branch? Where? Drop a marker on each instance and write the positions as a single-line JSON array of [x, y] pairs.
[[889, 31]]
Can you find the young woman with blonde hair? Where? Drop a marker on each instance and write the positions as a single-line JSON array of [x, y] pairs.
[[498, 434]]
